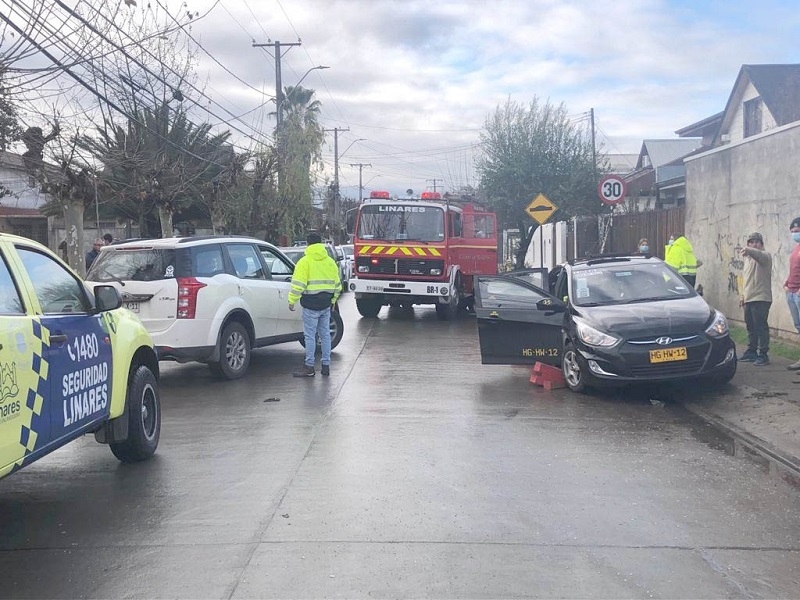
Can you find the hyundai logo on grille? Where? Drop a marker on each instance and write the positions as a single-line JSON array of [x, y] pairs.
[[664, 341]]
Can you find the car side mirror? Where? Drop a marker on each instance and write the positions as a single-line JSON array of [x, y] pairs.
[[551, 304], [106, 297]]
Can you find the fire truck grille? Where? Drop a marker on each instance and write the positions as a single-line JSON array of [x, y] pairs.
[[399, 266]]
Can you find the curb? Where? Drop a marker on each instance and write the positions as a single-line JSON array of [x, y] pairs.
[[779, 464]]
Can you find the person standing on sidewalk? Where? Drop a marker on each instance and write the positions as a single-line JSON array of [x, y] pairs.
[[756, 298], [316, 284], [792, 284]]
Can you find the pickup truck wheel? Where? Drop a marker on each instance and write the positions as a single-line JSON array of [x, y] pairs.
[[144, 418], [368, 307], [234, 352]]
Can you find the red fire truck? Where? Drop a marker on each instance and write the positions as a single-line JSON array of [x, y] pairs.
[[422, 250]]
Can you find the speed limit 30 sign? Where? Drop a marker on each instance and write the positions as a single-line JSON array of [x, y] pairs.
[[611, 189]]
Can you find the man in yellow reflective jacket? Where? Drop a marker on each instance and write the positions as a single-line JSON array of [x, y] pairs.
[[317, 286], [680, 256]]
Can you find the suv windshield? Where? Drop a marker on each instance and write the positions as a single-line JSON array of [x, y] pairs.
[[139, 264], [401, 222], [626, 283]]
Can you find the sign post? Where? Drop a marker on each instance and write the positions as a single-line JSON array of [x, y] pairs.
[[540, 210], [612, 189]]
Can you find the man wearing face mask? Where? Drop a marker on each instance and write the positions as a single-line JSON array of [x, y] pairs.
[[643, 246], [792, 284]]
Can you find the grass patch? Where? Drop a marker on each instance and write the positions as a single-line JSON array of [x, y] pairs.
[[776, 347]]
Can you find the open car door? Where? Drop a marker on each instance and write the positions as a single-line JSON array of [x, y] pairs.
[[518, 323]]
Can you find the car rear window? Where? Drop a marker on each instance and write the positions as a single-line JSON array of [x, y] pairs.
[[134, 264]]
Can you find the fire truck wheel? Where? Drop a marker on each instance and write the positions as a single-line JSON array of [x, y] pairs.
[[368, 307]]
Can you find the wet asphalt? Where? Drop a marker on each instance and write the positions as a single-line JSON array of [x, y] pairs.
[[412, 472]]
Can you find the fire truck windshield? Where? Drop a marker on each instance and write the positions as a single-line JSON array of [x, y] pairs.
[[401, 222]]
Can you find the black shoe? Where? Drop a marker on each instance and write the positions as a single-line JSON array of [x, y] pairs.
[[748, 356], [326, 370], [761, 361], [304, 372]]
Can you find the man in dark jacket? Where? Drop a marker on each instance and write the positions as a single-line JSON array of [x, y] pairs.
[[316, 284]]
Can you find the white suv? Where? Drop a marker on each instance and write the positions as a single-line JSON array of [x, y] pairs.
[[208, 299]]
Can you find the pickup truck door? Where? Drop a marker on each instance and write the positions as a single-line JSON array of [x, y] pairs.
[[518, 323], [76, 347], [19, 382]]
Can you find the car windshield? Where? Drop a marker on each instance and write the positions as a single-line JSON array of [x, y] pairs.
[[390, 222], [626, 284], [139, 264], [348, 251]]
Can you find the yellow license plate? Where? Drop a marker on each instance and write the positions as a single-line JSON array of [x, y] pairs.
[[668, 355]]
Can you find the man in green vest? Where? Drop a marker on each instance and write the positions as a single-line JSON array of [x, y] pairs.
[[680, 256], [316, 284]]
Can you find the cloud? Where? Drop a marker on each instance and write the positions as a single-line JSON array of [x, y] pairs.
[[415, 77]]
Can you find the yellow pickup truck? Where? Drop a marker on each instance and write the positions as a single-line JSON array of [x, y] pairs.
[[72, 362]]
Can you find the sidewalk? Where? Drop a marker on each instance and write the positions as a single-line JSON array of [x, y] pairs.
[[760, 412]]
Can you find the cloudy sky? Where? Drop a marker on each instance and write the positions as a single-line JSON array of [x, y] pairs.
[[410, 83]]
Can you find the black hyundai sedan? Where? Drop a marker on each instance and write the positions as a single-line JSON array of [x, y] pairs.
[[605, 321]]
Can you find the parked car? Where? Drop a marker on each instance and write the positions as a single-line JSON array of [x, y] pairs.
[[296, 253], [345, 266], [209, 299], [72, 362], [605, 321]]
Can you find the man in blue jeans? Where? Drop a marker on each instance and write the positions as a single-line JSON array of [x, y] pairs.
[[316, 284], [792, 284]]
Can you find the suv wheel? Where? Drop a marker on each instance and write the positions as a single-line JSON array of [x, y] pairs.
[[337, 331], [144, 418], [234, 352]]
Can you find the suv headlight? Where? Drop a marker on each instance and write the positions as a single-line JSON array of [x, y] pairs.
[[594, 337], [719, 326]]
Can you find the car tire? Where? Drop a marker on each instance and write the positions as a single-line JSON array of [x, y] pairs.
[[337, 331], [449, 311], [144, 418], [368, 307], [234, 352], [575, 370]]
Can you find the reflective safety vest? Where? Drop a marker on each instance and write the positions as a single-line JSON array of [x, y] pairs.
[[315, 273], [680, 256]]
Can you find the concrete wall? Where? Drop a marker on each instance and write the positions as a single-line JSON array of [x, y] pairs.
[[753, 185]]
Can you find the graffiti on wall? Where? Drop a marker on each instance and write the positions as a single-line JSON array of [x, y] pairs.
[[729, 252]]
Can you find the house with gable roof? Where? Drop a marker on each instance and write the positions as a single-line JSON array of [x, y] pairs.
[[659, 162], [747, 180]]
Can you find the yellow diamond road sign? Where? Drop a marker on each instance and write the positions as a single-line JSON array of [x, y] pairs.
[[541, 209]]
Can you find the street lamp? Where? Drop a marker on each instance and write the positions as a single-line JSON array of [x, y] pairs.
[[351, 145]]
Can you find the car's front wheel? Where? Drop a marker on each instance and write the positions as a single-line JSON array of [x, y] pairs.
[[234, 352], [144, 418], [575, 369]]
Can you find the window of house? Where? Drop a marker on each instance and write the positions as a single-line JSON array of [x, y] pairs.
[[752, 116]]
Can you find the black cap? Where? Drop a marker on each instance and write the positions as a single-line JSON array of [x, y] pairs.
[[795, 223], [313, 238]]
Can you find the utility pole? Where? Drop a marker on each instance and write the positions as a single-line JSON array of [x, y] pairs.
[[278, 85], [434, 183], [594, 151], [360, 187], [335, 199]]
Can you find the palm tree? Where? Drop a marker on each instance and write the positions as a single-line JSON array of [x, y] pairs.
[[159, 163], [299, 144]]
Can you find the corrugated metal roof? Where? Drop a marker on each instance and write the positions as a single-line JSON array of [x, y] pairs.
[[662, 152]]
